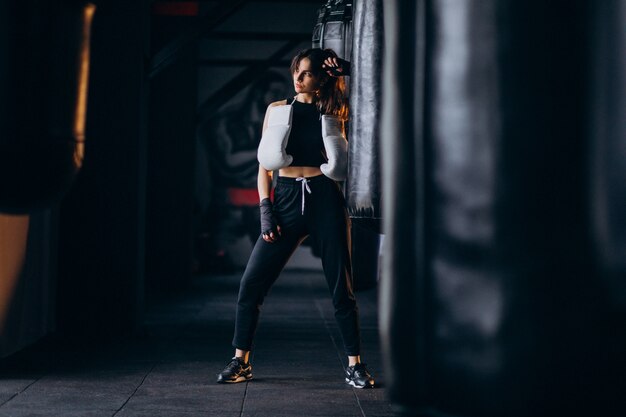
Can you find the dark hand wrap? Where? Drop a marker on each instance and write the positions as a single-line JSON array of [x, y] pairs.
[[342, 69], [345, 66], [268, 222]]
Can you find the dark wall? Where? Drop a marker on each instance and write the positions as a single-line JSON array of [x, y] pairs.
[[171, 158], [101, 248]]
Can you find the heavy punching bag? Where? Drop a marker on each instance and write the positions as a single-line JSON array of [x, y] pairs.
[[363, 190], [44, 50], [503, 137], [363, 186]]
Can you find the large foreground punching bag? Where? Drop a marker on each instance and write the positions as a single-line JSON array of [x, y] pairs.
[[503, 292], [44, 56]]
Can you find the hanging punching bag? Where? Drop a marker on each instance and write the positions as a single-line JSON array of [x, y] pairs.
[[502, 189], [363, 47], [362, 188], [44, 50], [334, 27]]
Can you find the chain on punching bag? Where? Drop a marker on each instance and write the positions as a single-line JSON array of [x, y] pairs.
[[334, 27], [44, 50]]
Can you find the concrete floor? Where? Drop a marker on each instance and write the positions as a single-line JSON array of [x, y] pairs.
[[169, 368]]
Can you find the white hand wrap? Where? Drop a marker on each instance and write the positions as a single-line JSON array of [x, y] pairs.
[[336, 149], [271, 153]]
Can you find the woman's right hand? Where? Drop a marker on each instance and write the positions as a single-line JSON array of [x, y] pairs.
[[270, 229], [336, 67]]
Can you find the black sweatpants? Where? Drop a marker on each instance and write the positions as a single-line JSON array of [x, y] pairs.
[[322, 216]]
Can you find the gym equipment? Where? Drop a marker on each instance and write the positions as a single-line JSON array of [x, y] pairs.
[[336, 149], [271, 153]]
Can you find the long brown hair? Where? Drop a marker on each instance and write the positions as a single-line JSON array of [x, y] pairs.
[[332, 93]]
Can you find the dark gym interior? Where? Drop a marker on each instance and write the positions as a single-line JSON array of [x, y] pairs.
[[486, 193]]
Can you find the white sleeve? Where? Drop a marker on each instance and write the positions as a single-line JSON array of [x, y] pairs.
[[271, 153], [336, 149]]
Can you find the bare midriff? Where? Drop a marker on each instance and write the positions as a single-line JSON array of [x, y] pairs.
[[295, 172]]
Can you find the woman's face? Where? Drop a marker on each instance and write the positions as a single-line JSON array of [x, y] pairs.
[[304, 81]]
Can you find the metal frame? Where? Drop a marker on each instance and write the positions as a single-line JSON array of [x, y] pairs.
[[254, 68], [205, 24], [251, 73]]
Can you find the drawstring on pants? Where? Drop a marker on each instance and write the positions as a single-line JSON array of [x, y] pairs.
[[305, 185]]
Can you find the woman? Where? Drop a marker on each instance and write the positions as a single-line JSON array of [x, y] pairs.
[[306, 203]]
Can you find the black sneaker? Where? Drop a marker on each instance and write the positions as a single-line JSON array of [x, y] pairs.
[[358, 377], [236, 371]]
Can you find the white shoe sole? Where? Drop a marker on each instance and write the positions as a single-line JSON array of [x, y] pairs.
[[356, 386]]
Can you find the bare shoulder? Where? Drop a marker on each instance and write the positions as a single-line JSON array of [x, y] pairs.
[[278, 103]]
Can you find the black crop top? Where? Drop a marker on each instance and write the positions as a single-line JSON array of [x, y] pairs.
[[305, 142]]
